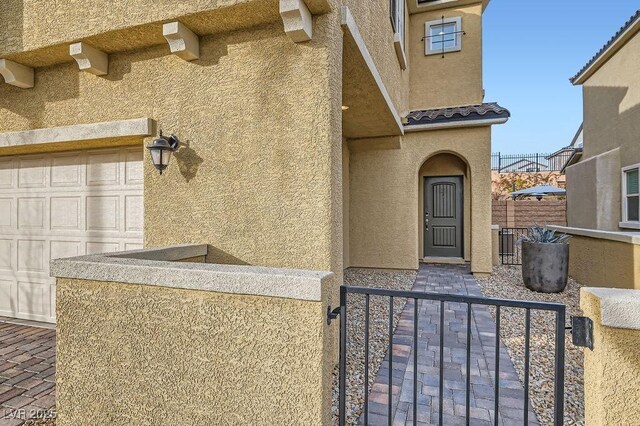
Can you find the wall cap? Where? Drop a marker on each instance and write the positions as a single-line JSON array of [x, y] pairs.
[[495, 227], [619, 308], [158, 267], [621, 236], [81, 132]]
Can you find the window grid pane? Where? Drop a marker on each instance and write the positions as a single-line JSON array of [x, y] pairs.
[[632, 182], [633, 208], [443, 36]]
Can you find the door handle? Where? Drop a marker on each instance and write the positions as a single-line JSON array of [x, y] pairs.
[[426, 222]]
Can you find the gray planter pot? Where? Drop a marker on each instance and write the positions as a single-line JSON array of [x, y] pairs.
[[545, 267]]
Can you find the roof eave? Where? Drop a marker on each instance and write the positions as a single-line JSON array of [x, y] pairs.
[[455, 124], [603, 57]]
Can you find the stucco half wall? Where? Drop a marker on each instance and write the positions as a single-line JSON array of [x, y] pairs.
[[384, 225], [604, 258], [611, 369], [197, 344]]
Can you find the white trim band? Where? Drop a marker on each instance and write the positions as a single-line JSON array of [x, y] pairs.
[[81, 132], [455, 124]]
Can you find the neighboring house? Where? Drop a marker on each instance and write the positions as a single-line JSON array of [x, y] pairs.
[[524, 165], [568, 155], [603, 183], [603, 209], [317, 134]]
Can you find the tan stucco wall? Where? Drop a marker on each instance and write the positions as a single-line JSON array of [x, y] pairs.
[[611, 98], [455, 79], [375, 27], [251, 184], [611, 385], [133, 354], [612, 106], [594, 192], [596, 262], [384, 221]]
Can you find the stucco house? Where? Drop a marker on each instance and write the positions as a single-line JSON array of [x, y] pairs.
[[602, 177], [316, 134]]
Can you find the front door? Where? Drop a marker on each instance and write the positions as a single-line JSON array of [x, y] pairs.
[[442, 222]]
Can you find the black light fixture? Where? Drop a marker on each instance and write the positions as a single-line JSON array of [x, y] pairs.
[[161, 150]]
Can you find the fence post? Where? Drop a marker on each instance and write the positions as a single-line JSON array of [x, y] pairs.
[[537, 162], [499, 162]]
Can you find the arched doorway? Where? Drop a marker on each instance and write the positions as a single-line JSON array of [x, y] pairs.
[[444, 206]]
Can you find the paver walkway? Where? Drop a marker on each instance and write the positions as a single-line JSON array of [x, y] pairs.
[[27, 372], [451, 279]]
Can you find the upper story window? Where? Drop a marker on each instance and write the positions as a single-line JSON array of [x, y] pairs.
[[631, 197], [397, 8], [443, 35]]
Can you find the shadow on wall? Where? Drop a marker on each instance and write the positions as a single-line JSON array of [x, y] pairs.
[[216, 255], [188, 161], [612, 120]]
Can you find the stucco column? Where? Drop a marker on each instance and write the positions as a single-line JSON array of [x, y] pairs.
[[612, 368], [481, 254]]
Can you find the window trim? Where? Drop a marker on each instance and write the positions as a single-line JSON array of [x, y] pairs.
[[427, 36], [399, 26], [626, 223]]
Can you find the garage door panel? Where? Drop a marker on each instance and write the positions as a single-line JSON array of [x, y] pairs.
[[65, 172], [6, 255], [62, 249], [103, 168], [97, 247], [6, 173], [65, 205], [32, 256], [6, 213], [103, 213], [66, 213], [31, 213], [34, 299], [32, 173]]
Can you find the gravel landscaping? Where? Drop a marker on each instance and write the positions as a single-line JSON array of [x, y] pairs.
[[506, 282], [378, 333]]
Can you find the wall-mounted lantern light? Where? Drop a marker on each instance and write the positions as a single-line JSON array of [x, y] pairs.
[[161, 150]]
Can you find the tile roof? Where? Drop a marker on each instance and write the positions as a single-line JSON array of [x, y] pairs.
[[459, 113], [604, 48]]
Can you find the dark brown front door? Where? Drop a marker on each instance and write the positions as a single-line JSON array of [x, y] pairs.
[[442, 222]]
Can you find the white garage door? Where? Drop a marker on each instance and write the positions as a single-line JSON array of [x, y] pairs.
[[63, 205]]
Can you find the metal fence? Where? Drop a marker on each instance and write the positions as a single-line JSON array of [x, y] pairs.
[[510, 250], [442, 303], [529, 163]]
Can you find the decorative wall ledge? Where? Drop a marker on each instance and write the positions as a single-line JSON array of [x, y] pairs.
[[89, 59], [138, 127], [16, 74], [297, 20], [623, 237], [163, 267], [182, 41]]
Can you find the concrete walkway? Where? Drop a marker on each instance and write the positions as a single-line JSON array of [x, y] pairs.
[[452, 279], [27, 372]]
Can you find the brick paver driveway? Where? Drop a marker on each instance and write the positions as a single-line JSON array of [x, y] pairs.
[[452, 280], [27, 372]]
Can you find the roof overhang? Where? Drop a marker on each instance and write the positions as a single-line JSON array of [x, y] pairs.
[[487, 114], [371, 112], [625, 34]]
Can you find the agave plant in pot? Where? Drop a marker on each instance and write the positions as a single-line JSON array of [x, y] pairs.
[[545, 260]]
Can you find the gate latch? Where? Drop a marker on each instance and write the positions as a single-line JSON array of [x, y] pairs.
[[582, 332], [332, 314]]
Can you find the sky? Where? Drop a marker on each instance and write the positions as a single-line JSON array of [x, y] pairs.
[[531, 48]]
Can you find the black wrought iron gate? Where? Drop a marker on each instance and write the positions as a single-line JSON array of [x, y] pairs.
[[510, 248], [440, 301]]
